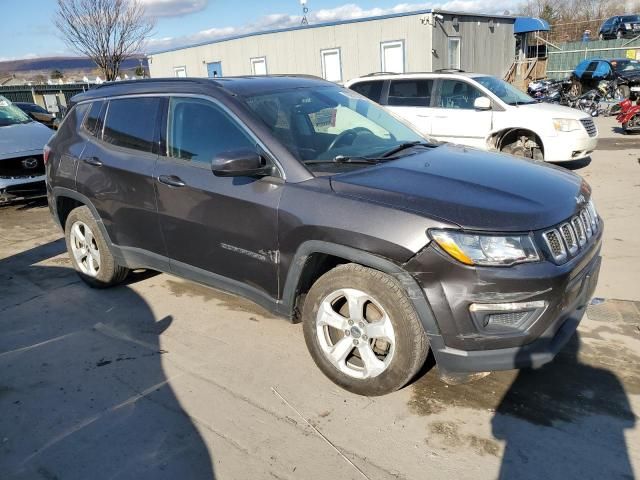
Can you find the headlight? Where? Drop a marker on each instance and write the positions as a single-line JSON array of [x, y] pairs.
[[491, 250], [566, 124]]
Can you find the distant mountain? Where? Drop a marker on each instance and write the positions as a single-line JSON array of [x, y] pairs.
[[61, 63]]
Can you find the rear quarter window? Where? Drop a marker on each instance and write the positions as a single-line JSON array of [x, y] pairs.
[[372, 90], [93, 121], [74, 117]]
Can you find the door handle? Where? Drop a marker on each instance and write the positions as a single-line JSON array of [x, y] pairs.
[[95, 161], [171, 180]]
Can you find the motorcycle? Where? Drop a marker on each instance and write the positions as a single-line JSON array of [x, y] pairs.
[[629, 116], [550, 91]]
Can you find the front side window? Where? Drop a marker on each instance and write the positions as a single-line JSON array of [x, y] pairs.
[[457, 94], [11, 115], [131, 122], [198, 130], [410, 93], [504, 91], [326, 122]]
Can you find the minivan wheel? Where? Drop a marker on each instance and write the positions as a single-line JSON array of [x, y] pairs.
[[362, 330], [89, 252]]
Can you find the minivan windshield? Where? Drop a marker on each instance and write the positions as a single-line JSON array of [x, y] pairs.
[[331, 123], [10, 114], [504, 91]]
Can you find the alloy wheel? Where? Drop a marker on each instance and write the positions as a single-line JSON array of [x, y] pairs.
[[355, 333], [85, 249]]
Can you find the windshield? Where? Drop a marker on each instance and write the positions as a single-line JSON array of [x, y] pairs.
[[504, 91], [626, 65], [329, 122], [10, 114]]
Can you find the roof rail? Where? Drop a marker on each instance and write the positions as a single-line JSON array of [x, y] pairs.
[[449, 70], [373, 74]]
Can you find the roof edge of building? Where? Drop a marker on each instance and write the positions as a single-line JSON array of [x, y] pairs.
[[329, 24]]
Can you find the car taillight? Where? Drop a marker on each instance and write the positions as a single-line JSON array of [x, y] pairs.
[[45, 153]]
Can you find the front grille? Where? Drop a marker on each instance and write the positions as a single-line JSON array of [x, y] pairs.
[[589, 126], [569, 238], [22, 167], [506, 319], [572, 235], [554, 242]]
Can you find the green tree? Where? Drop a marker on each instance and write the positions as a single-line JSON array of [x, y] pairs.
[[56, 74]]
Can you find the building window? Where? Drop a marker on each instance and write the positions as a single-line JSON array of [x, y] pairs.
[[259, 66], [392, 56], [331, 65], [180, 71], [454, 53]]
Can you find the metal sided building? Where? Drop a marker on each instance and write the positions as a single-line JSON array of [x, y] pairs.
[[420, 41]]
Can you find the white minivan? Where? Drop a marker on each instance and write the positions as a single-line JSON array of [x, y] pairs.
[[483, 112]]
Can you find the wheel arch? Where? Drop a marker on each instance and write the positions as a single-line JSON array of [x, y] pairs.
[[503, 137], [65, 200], [314, 258]]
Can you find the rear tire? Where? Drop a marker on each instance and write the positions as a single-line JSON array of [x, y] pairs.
[[385, 345], [89, 252]]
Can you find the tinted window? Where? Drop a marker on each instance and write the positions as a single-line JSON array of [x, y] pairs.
[[131, 122], [582, 66], [371, 90], [198, 130], [410, 93], [631, 19], [457, 94], [93, 120]]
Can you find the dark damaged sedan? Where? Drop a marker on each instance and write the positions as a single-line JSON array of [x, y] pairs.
[[323, 207]]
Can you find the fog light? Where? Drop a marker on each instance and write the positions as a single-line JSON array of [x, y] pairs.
[[506, 317]]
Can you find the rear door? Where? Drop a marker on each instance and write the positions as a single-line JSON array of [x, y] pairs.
[[454, 117], [116, 171], [411, 99], [225, 226]]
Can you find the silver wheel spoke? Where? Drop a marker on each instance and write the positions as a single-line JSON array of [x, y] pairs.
[[341, 350], [373, 365], [356, 301], [78, 233], [331, 318], [381, 329]]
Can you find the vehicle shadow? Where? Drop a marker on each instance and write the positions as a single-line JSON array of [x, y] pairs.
[[575, 164], [565, 420], [83, 393]]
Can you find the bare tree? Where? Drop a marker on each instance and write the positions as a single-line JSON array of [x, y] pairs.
[[107, 31]]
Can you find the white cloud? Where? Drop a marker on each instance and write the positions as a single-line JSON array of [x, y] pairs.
[[348, 11], [173, 8]]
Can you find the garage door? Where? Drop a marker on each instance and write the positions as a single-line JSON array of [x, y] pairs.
[[392, 57]]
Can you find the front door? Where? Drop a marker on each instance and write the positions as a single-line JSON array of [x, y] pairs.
[[454, 118], [214, 69], [216, 226], [411, 100]]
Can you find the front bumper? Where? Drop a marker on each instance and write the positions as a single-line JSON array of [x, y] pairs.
[[19, 188], [461, 346], [568, 146]]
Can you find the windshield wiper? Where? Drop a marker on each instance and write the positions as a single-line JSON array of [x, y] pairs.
[[404, 146], [344, 159]]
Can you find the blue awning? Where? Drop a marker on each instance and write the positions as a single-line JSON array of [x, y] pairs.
[[530, 24]]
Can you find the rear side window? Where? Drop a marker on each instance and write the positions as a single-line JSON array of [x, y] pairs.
[[131, 122], [410, 93], [371, 90], [93, 120], [198, 130]]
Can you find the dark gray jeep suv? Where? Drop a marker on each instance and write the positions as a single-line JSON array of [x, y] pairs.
[[320, 205]]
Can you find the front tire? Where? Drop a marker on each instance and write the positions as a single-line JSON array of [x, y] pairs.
[[362, 331], [89, 252]]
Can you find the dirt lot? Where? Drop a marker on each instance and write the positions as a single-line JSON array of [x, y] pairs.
[[163, 378]]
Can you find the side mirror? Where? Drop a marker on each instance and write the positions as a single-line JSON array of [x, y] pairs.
[[240, 163], [482, 103]]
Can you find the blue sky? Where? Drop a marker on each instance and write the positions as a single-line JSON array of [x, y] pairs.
[[28, 31]]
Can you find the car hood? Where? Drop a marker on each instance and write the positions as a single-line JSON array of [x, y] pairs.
[[474, 189], [551, 110], [23, 138]]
